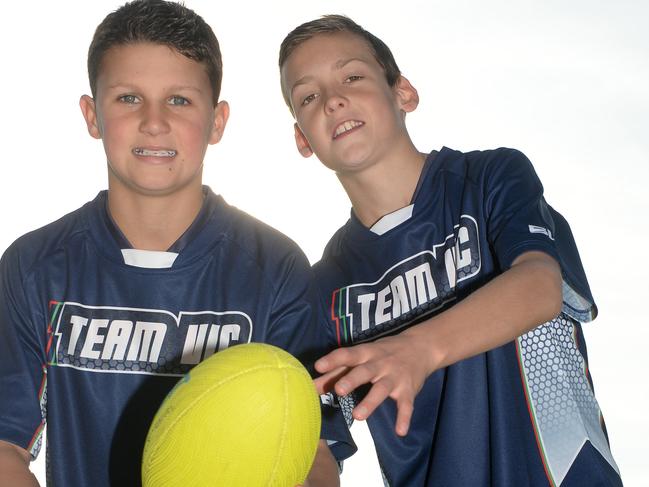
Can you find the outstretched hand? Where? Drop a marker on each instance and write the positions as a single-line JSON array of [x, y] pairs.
[[396, 366]]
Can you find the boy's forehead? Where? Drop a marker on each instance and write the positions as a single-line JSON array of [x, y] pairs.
[[142, 60], [134, 54], [332, 44], [325, 51]]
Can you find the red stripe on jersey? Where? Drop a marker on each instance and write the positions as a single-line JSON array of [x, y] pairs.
[[334, 317]]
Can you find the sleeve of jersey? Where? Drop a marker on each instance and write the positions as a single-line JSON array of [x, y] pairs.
[[519, 220], [296, 328], [23, 370]]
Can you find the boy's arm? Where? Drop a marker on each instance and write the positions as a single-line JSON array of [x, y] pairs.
[[324, 471], [14, 467], [525, 296]]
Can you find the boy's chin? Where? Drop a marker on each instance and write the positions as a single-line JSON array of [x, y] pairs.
[[350, 166]]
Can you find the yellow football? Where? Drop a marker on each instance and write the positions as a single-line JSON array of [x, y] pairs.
[[247, 416]]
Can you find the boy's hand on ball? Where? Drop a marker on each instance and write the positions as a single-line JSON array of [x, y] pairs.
[[396, 366]]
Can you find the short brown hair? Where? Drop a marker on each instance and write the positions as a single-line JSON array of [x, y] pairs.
[[160, 22], [330, 24]]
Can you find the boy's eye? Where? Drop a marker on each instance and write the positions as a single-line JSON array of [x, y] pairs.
[[353, 78], [178, 100], [129, 99], [309, 99]]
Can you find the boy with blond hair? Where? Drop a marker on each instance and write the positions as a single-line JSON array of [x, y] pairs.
[[103, 310], [454, 290]]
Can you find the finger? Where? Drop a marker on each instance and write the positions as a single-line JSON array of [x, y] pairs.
[[357, 376], [378, 393], [325, 383], [404, 415], [341, 357], [348, 357]]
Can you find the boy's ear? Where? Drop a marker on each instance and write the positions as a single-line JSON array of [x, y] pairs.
[[89, 111], [406, 94], [221, 114], [302, 144]]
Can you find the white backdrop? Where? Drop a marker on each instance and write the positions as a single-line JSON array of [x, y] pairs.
[[564, 81]]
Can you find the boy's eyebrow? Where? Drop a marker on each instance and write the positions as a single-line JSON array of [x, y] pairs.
[[344, 62], [131, 87], [302, 81], [341, 63]]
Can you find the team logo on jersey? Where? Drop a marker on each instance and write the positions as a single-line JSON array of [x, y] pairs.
[[542, 230], [141, 341], [409, 290]]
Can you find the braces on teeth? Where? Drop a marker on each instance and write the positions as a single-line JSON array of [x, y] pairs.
[[154, 153]]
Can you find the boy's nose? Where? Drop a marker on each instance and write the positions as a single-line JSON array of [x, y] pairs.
[[154, 121], [335, 102]]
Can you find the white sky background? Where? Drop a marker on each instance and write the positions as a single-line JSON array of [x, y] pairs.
[[566, 82]]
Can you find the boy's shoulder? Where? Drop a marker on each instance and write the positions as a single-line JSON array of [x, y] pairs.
[[481, 177], [479, 161], [261, 242], [477, 167], [250, 232], [43, 242]]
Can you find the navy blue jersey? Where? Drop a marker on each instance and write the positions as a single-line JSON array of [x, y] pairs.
[[523, 414], [91, 344]]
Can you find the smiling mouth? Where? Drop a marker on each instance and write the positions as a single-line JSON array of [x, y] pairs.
[[139, 151], [347, 126]]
